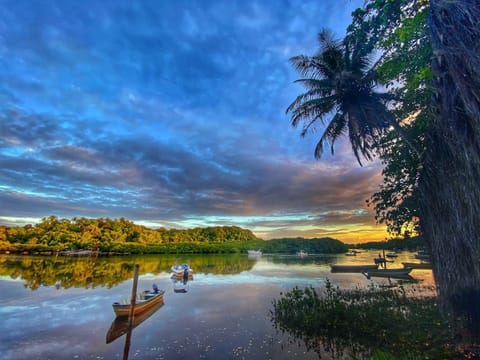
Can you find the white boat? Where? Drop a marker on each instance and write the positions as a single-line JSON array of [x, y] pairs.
[[254, 253], [180, 270], [302, 253], [351, 253]]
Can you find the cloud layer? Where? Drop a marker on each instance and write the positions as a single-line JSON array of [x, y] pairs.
[[171, 114]]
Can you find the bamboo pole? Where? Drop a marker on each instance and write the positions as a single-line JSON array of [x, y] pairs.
[[131, 315], [134, 296]]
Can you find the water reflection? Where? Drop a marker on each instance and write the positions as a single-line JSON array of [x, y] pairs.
[[90, 272], [119, 326], [224, 314]]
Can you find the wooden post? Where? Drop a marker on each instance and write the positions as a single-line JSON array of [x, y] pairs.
[[134, 296], [131, 315]]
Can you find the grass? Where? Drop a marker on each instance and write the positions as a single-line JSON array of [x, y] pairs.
[[378, 324]]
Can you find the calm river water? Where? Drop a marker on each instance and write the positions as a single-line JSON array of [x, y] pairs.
[[60, 308]]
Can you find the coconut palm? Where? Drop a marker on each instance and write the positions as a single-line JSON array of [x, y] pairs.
[[340, 94]]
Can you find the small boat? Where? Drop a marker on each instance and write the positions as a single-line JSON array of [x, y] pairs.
[[391, 255], [394, 273], [144, 301], [179, 269], [381, 260], [302, 253], [353, 268], [413, 265], [351, 253], [422, 255], [119, 326], [254, 253]]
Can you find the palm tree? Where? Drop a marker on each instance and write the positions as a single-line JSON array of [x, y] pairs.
[[340, 93]]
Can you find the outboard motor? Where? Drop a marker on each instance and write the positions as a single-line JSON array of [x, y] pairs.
[[155, 288], [185, 275]]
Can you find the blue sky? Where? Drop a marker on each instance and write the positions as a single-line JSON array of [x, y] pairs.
[[171, 113]]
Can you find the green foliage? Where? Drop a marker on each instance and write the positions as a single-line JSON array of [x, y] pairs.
[[397, 31], [122, 236], [361, 321], [312, 246], [408, 243]]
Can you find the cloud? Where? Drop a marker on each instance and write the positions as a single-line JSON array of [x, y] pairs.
[[169, 114]]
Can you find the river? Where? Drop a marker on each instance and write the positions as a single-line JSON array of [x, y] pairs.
[[60, 308]]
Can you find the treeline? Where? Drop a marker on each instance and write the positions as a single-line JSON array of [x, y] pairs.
[[105, 235], [312, 246], [408, 243], [121, 235]]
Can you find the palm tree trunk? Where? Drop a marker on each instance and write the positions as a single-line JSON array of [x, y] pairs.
[[449, 185]]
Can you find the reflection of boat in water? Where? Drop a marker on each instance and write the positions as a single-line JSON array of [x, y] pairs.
[[180, 286], [144, 301], [423, 265], [391, 273], [302, 253], [119, 326], [180, 269], [353, 268], [254, 253]]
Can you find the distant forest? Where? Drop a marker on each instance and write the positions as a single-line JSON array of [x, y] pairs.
[[121, 236]]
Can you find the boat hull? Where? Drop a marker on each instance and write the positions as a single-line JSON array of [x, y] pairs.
[[417, 265], [119, 326], [148, 301], [394, 273], [352, 268]]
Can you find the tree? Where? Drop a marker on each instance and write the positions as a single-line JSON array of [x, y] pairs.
[[449, 185], [340, 94], [397, 30], [446, 183]]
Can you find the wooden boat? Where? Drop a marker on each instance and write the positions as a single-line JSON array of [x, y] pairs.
[[412, 265], [144, 301], [391, 255], [394, 273], [352, 268], [119, 326]]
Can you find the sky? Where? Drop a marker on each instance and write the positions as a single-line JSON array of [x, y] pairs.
[[172, 114]]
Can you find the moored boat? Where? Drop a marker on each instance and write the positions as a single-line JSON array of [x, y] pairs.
[[394, 273], [179, 269], [412, 265], [254, 253], [353, 268], [302, 253], [144, 301], [119, 326]]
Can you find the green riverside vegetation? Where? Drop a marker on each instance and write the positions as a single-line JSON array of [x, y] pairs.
[[120, 236]]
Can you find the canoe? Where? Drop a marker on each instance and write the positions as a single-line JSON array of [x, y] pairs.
[[396, 272], [353, 268], [143, 302], [119, 326], [417, 265]]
